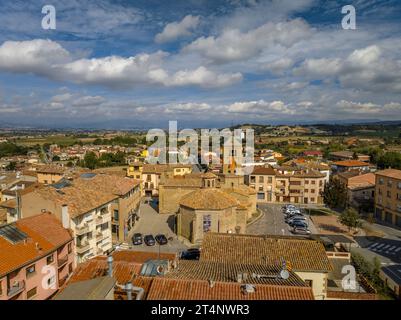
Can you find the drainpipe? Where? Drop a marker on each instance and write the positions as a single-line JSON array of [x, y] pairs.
[[128, 288], [110, 264]]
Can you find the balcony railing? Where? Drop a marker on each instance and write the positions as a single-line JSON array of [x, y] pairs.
[[82, 230], [82, 247], [103, 218], [18, 287], [62, 261]]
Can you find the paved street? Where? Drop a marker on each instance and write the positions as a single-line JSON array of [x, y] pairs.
[[150, 222], [273, 222]]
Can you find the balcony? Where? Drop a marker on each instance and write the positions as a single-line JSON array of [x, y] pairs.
[[99, 235], [82, 247], [103, 218], [82, 230], [18, 287], [62, 261]]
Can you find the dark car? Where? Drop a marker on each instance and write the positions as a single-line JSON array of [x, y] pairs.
[[149, 240], [296, 224], [161, 239], [191, 254], [299, 230], [137, 239]]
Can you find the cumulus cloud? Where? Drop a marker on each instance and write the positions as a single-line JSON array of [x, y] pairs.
[[48, 58], [89, 101], [187, 107], [235, 45], [260, 106], [174, 30], [364, 68], [36, 56]]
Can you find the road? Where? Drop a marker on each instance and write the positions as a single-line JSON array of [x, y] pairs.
[[273, 222], [151, 222]]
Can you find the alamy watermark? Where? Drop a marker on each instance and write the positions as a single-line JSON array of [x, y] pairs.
[[225, 147]]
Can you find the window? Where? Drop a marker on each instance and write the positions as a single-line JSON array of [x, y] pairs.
[[389, 183], [178, 170], [51, 281], [306, 190], [114, 228], [30, 270], [381, 181], [388, 194], [269, 179], [253, 179], [399, 185], [306, 181], [313, 190], [115, 216], [261, 188], [207, 222], [309, 283], [70, 268], [312, 199], [69, 248], [31, 293], [313, 182], [261, 179], [50, 259]]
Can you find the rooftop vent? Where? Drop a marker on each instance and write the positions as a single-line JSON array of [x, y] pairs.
[[248, 289]]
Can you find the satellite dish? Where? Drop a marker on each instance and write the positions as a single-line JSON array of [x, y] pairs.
[[284, 274]]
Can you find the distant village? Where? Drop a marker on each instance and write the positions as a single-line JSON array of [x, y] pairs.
[[115, 227]]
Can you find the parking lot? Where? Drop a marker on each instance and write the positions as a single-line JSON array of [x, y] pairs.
[[150, 222], [273, 222]]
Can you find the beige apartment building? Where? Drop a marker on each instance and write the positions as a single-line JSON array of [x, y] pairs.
[[280, 186], [125, 208], [151, 175], [86, 212], [49, 174], [388, 196]]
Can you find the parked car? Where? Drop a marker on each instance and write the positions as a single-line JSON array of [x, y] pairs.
[[161, 239], [299, 230], [289, 219], [137, 239], [149, 240], [298, 224], [190, 254]]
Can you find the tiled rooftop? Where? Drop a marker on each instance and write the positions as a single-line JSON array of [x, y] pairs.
[[184, 289], [390, 173], [303, 254], [208, 199], [44, 229], [228, 272]]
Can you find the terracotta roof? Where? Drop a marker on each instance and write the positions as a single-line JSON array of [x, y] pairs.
[[44, 229], [126, 265], [390, 173], [351, 163], [352, 295], [50, 169], [180, 289], [182, 182], [107, 183], [363, 180], [208, 199], [303, 254], [123, 271], [264, 171], [227, 272], [79, 200], [349, 174]]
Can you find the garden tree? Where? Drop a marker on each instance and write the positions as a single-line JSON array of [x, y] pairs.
[[335, 193], [11, 166], [355, 156], [70, 164], [90, 160], [56, 158], [9, 149], [389, 159], [350, 218]]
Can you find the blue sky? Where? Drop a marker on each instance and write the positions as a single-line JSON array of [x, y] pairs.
[[138, 64]]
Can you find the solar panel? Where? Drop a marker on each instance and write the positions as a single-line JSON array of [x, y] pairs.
[[11, 233], [61, 184], [88, 175]]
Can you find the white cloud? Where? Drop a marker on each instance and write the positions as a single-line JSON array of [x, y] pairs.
[[187, 107], [260, 106], [48, 58], [88, 101], [203, 77], [35, 56], [234, 45], [174, 30]]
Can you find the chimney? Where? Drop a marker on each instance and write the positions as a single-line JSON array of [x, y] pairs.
[[128, 288], [211, 283], [65, 216], [239, 277], [110, 265]]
